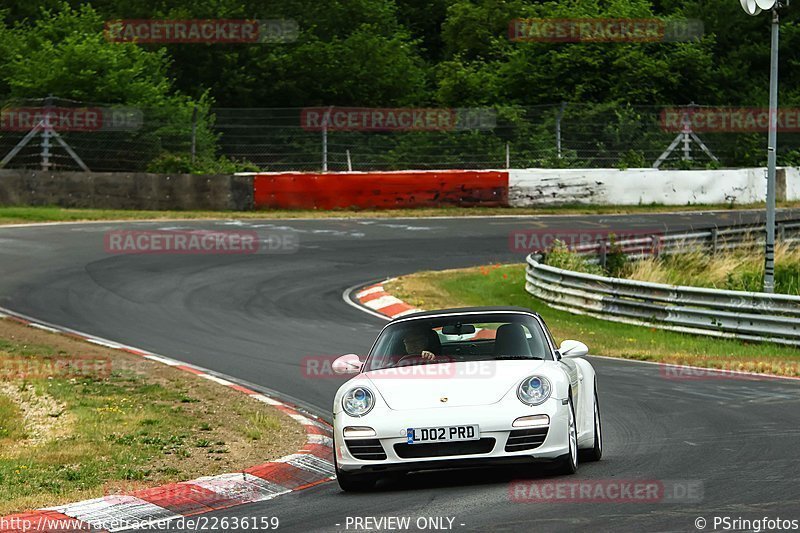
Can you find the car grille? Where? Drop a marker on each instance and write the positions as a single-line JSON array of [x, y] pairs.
[[366, 449], [525, 439], [441, 449]]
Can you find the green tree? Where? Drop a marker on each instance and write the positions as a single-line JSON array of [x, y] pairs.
[[64, 53]]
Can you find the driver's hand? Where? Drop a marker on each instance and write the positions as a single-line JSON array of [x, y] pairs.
[[428, 356]]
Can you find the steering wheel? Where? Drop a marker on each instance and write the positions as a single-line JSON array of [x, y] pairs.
[[413, 356]]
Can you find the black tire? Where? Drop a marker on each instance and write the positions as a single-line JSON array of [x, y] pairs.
[[595, 453], [350, 482], [568, 463]]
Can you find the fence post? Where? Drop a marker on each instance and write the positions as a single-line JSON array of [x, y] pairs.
[[46, 134], [45, 148], [325, 146], [325, 120], [508, 155], [194, 133], [349, 163], [558, 128]]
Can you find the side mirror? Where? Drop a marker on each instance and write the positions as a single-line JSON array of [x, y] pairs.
[[347, 364], [571, 348]]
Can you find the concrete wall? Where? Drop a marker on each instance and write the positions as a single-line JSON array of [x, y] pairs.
[[380, 190], [121, 190], [792, 183], [645, 186], [336, 190]]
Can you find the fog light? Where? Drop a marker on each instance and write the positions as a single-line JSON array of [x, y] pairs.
[[531, 421], [357, 432]]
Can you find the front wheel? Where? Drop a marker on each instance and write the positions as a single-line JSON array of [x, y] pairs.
[[350, 482], [568, 463], [596, 451]]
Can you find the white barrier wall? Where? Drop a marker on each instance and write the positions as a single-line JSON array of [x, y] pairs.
[[643, 186], [792, 183]]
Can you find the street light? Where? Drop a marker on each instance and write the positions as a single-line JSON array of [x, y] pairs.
[[754, 7]]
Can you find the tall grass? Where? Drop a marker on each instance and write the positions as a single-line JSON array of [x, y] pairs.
[[739, 270], [560, 256]]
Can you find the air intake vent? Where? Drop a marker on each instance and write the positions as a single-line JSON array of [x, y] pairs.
[[366, 449], [525, 439]]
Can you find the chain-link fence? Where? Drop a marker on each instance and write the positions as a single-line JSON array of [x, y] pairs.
[[59, 134], [121, 138]]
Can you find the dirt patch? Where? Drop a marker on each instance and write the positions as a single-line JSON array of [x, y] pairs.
[[42, 415]]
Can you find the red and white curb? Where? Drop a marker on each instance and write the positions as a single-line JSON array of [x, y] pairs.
[[375, 298], [310, 466]]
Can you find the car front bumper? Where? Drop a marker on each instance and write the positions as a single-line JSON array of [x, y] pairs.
[[494, 421]]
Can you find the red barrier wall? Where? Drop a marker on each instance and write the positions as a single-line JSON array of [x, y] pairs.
[[370, 190]]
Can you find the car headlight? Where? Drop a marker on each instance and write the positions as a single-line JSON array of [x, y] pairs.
[[358, 401], [534, 390]]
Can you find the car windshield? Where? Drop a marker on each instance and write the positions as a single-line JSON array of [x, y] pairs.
[[459, 338]]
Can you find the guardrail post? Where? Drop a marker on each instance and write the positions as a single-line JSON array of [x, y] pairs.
[[656, 246], [603, 253], [714, 241], [781, 233]]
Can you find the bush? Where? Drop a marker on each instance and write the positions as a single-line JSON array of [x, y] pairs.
[[168, 163], [616, 260], [560, 256]]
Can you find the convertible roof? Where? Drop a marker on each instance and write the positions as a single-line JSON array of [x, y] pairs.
[[461, 310]]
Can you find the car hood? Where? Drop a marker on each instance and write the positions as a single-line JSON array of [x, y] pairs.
[[462, 384]]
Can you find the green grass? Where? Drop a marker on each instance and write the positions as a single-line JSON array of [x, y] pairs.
[[117, 426], [129, 423], [504, 285], [11, 425], [260, 424], [23, 214]]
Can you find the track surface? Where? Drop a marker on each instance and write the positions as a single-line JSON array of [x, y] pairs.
[[255, 317]]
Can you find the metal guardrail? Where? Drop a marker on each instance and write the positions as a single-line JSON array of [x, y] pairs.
[[743, 315]]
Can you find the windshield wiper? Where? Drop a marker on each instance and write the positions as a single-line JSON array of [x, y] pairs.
[[502, 357]]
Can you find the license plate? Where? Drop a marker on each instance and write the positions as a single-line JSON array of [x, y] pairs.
[[442, 434]]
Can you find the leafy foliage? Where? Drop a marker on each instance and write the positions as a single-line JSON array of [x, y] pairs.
[[385, 53], [168, 163]]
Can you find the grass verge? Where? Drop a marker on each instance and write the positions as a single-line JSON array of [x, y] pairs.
[[738, 270], [22, 214], [504, 285], [80, 421]]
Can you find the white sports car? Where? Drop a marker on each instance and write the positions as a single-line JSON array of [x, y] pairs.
[[464, 387]]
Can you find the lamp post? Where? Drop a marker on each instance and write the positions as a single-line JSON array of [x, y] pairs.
[[754, 7]]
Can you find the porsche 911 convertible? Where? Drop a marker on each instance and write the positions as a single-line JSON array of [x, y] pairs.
[[464, 387]]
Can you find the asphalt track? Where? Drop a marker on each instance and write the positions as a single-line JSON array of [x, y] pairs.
[[255, 317]]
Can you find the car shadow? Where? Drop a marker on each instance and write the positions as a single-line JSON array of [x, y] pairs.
[[461, 477]]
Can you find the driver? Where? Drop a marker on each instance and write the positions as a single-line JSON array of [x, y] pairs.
[[416, 343]]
